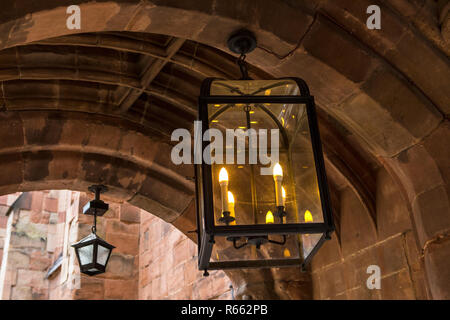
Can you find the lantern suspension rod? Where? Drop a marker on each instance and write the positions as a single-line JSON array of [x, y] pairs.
[[97, 190], [252, 167], [242, 42]]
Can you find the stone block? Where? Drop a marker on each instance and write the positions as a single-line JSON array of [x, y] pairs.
[[187, 221], [121, 289], [357, 230], [130, 213], [39, 261], [391, 256], [191, 272], [175, 279], [407, 106], [31, 278], [181, 253], [10, 163], [363, 293], [333, 281], [353, 60], [21, 293], [431, 213], [329, 253], [115, 226], [18, 258], [50, 204], [124, 243], [418, 59], [355, 267], [397, 287], [91, 289], [392, 211], [120, 266], [436, 267], [202, 289]]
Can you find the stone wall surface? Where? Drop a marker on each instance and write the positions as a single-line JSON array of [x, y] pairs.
[[168, 266], [152, 260], [339, 270]]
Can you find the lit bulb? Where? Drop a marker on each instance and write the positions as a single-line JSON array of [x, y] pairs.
[[231, 207], [269, 217], [277, 170], [286, 253], [278, 179], [283, 193], [308, 216], [230, 197], [223, 175]]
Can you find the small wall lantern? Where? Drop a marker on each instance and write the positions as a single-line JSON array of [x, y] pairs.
[[253, 213], [92, 251]]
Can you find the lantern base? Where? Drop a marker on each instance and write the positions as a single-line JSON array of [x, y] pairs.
[[242, 42], [257, 241]]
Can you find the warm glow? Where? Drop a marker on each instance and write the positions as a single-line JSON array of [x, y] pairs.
[[286, 253], [283, 193], [267, 92], [223, 175], [230, 197], [277, 170], [269, 217], [308, 216]]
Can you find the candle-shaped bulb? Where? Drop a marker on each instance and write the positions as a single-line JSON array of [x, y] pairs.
[[278, 179], [277, 170], [223, 175], [231, 207], [286, 253], [230, 198], [269, 217], [283, 196], [308, 216], [223, 181]]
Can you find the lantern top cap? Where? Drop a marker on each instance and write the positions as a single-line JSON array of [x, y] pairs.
[[92, 237]]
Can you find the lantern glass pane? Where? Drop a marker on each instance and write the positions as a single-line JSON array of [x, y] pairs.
[[86, 254], [224, 250], [102, 254], [252, 133]]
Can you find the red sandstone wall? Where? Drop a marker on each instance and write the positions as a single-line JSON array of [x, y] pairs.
[[153, 260], [30, 252], [339, 270], [120, 227], [168, 265]]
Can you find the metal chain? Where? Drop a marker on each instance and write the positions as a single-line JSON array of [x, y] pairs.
[[243, 66]]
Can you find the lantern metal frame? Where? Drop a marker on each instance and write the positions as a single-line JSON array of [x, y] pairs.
[[95, 241], [204, 188]]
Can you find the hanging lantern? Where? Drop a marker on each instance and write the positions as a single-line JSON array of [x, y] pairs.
[[270, 162], [92, 251]]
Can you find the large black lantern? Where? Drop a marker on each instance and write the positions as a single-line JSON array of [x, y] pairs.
[[92, 251], [262, 195]]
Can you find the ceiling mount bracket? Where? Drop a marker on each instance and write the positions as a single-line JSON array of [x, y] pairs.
[[242, 42]]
